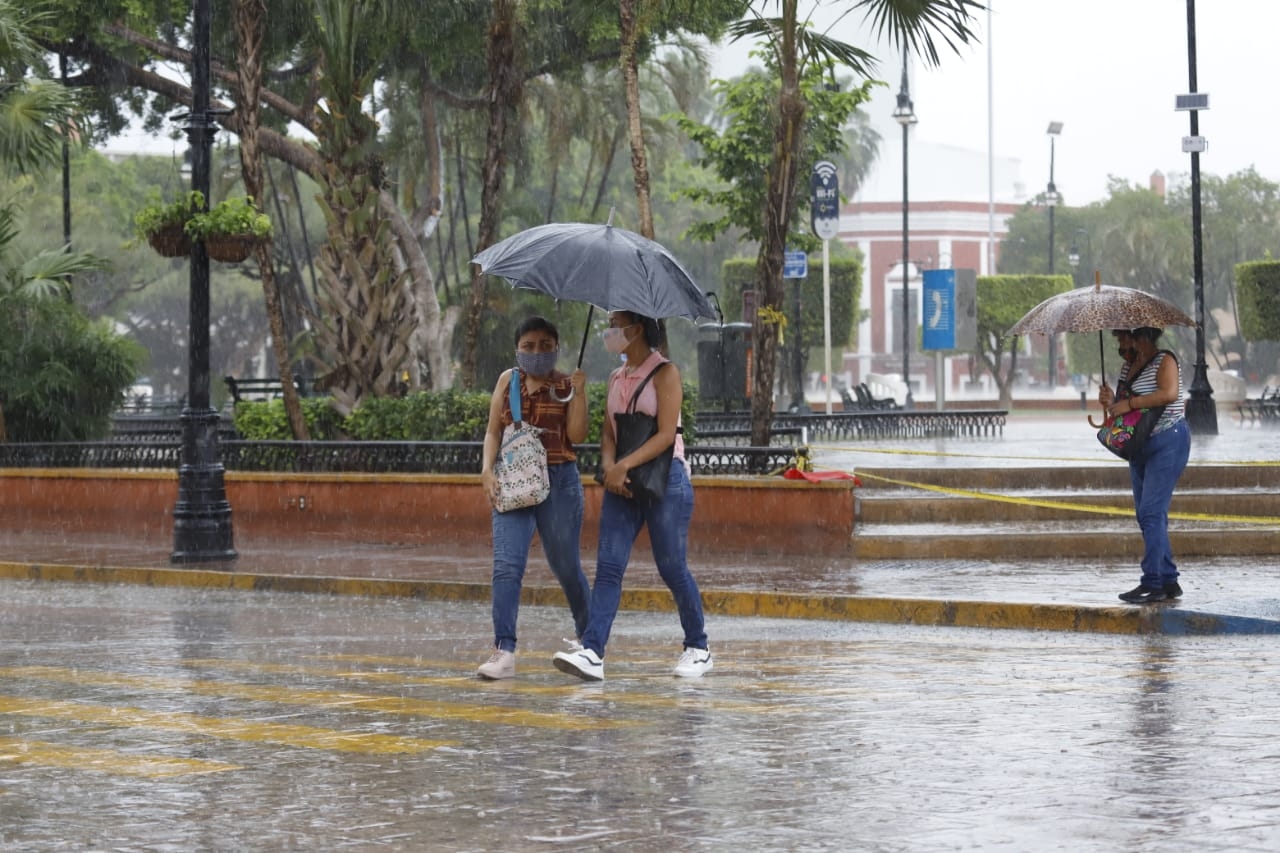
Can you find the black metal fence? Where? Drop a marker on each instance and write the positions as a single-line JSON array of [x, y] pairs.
[[887, 424], [377, 457], [154, 443]]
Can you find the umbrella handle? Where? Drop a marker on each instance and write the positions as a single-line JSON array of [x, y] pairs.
[[1096, 426], [586, 333]]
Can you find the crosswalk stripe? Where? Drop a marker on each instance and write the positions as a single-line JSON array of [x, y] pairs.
[[226, 728], [46, 754], [633, 698], [495, 714]]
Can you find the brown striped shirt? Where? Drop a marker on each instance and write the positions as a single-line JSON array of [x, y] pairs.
[[548, 414]]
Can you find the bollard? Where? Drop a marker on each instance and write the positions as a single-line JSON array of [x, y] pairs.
[[1084, 402]]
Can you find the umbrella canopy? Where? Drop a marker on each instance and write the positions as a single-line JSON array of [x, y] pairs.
[[610, 268], [1100, 307]]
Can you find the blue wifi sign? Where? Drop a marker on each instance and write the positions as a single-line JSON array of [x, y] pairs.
[[824, 202]]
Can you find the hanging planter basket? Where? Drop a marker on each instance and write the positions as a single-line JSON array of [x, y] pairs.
[[230, 248], [170, 242]]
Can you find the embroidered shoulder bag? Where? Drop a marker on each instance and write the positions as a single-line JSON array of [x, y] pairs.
[[521, 467]]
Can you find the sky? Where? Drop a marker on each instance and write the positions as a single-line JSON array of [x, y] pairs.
[[1109, 70]]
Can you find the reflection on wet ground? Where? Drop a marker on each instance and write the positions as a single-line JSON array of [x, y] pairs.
[[171, 719]]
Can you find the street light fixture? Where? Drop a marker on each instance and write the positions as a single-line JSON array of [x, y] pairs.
[[1051, 199], [905, 115], [202, 514]]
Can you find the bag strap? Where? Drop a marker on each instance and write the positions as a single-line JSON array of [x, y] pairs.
[[1126, 384], [515, 396], [636, 396]]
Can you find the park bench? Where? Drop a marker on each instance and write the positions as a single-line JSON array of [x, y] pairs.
[[1263, 410], [260, 388]]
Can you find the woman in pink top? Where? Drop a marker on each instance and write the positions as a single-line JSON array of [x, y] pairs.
[[622, 514]]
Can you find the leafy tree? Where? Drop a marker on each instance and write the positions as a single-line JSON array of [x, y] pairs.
[[1002, 301], [61, 375], [795, 49], [1260, 300]]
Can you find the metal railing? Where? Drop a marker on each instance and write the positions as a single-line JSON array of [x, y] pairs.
[[436, 457], [852, 426]]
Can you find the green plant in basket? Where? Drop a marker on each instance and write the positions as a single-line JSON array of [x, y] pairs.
[[159, 215], [237, 216]]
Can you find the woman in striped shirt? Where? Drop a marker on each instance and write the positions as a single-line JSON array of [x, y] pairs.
[[1152, 377]]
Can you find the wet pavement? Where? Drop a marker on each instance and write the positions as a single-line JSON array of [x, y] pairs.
[[193, 719], [320, 695]]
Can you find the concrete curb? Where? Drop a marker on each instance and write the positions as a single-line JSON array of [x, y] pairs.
[[778, 605]]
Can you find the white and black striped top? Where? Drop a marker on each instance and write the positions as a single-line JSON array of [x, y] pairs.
[[1146, 382]]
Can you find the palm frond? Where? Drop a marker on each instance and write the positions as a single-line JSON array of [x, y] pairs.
[[913, 24], [33, 120]]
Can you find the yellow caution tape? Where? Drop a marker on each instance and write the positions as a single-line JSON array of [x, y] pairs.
[[1074, 507]]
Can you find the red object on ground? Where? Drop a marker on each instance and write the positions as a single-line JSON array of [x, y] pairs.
[[819, 476]]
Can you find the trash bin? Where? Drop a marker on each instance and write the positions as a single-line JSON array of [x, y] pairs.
[[723, 355]]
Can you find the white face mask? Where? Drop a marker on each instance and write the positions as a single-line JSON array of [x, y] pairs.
[[615, 339]]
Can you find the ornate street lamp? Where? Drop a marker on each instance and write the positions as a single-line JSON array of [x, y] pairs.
[[1051, 199], [202, 514], [1202, 413], [905, 115]]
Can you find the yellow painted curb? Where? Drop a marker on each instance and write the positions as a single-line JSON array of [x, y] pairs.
[[900, 611]]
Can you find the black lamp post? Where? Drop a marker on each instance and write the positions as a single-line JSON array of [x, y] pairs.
[[1051, 198], [905, 115], [1202, 414], [202, 514]]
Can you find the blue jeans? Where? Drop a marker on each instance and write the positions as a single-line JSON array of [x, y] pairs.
[[558, 521], [668, 523], [1154, 473]]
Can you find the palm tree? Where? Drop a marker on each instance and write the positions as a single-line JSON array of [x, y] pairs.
[[369, 315], [911, 25], [251, 24], [36, 118]]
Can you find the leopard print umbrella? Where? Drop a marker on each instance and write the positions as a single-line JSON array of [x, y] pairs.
[[1097, 308]]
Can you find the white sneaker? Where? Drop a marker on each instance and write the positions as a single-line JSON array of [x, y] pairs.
[[693, 663], [583, 663], [501, 664], [574, 645]]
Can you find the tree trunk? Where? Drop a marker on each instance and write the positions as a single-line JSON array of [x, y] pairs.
[[278, 146], [505, 91], [250, 24], [635, 133], [765, 325]]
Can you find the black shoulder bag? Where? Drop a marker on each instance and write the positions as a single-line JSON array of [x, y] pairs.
[[630, 430]]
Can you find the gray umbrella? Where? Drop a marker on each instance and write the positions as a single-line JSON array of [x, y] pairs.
[[606, 267]]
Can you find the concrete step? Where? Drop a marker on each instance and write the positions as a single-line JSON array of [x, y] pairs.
[[917, 507], [1112, 477], [1106, 540]]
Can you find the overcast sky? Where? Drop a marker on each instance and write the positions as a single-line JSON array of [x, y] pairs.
[[1109, 71]]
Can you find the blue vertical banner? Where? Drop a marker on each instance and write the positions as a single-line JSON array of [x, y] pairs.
[[939, 318]]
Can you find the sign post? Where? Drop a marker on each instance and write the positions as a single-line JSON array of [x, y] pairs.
[[824, 210], [950, 319]]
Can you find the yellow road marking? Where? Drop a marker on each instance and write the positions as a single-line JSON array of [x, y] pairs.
[[46, 754], [308, 737], [515, 687], [318, 698]]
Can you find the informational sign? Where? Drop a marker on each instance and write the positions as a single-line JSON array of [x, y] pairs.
[[795, 264], [950, 309], [939, 309], [824, 201]]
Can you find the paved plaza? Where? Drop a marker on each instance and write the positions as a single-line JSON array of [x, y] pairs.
[[191, 719], [320, 695]]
